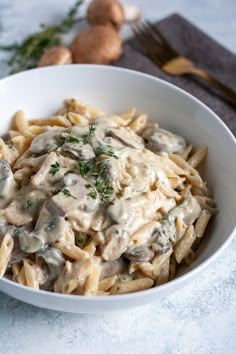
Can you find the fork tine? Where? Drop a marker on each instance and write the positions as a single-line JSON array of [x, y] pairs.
[[151, 44], [163, 39], [161, 49], [147, 44], [144, 44]]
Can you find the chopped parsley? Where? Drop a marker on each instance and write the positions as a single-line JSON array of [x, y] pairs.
[[55, 167], [12, 147], [106, 150]]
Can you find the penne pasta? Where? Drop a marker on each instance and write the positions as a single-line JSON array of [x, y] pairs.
[[182, 248], [101, 204], [198, 156], [132, 286], [5, 252]]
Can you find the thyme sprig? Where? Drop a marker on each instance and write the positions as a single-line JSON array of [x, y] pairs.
[[26, 54], [95, 170]]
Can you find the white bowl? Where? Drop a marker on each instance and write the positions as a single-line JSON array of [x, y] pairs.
[[40, 92]]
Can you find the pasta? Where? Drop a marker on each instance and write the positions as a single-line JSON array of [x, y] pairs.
[[99, 205]]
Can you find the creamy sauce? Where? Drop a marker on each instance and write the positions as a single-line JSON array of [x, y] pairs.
[[96, 180]]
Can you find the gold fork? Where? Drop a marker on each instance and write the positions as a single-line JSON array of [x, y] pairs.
[[171, 62]]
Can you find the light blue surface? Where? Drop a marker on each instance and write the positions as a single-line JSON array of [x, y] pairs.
[[201, 318]]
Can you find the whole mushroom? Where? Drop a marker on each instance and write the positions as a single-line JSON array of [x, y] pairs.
[[57, 55], [102, 12], [99, 44]]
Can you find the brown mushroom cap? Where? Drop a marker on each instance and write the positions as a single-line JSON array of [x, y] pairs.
[[96, 45], [57, 55], [102, 12]]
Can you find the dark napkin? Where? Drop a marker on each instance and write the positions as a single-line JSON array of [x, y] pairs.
[[205, 52]]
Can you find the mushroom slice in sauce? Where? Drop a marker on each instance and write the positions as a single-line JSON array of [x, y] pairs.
[[188, 211], [24, 208], [7, 182], [160, 140], [128, 137], [53, 261], [75, 195], [45, 142], [139, 254], [80, 151], [111, 268], [49, 228], [116, 241]]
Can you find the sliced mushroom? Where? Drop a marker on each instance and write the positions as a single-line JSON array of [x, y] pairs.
[[7, 182], [17, 255], [117, 144], [128, 137], [188, 211], [116, 241], [49, 228], [113, 268], [54, 262], [81, 151], [104, 125], [45, 142], [120, 211], [75, 195], [160, 140], [164, 234], [140, 254], [25, 208]]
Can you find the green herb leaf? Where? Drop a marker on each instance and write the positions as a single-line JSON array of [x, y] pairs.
[[67, 193], [26, 54], [28, 204], [93, 193], [106, 150], [78, 239], [55, 167]]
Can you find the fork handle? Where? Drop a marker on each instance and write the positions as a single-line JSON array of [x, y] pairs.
[[226, 91]]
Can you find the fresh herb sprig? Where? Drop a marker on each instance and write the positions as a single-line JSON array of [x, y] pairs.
[[67, 193], [26, 54], [93, 193], [95, 169], [55, 168], [106, 150]]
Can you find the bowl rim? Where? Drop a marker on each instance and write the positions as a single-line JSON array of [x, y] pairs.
[[173, 283]]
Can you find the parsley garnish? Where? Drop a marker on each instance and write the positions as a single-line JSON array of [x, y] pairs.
[[106, 150], [67, 193], [12, 147], [55, 168]]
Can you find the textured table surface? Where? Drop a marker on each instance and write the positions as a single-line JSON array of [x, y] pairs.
[[201, 318]]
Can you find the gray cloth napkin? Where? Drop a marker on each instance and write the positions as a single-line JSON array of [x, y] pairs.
[[203, 50]]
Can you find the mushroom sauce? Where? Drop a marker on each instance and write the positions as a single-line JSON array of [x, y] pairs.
[[98, 204]]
